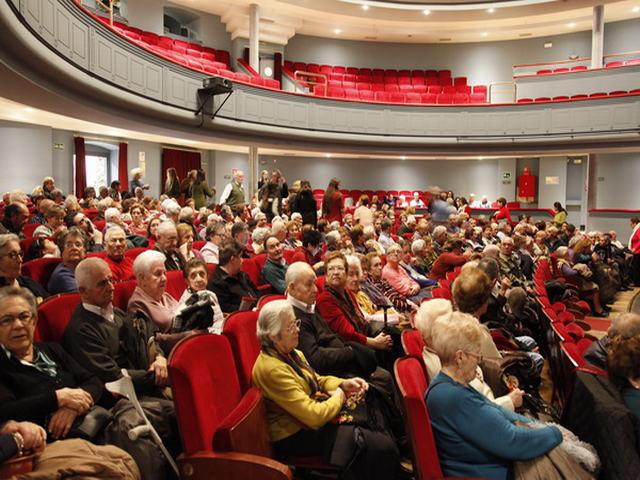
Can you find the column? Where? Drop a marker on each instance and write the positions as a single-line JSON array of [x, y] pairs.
[[252, 174], [254, 37], [597, 37], [590, 190]]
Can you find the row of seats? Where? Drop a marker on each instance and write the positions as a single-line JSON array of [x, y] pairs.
[[339, 72], [580, 96], [187, 54], [582, 68], [409, 97]]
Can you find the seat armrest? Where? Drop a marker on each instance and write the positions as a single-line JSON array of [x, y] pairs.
[[16, 466], [231, 466]]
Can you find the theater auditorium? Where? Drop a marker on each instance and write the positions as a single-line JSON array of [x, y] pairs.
[[342, 239]]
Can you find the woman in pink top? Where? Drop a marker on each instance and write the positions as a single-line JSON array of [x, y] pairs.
[[399, 279], [363, 214]]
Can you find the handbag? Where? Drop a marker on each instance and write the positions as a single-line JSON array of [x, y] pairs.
[[91, 424]]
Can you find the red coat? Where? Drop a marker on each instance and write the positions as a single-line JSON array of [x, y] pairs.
[[334, 207], [634, 242], [337, 318], [445, 263], [503, 213], [122, 270]]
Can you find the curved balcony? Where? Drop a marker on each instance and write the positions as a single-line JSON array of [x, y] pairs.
[[60, 48]]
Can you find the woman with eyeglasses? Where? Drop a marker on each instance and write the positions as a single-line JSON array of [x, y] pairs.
[[475, 436], [215, 235], [11, 266], [303, 406]]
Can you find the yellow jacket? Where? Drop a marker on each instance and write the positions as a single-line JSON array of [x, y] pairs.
[[289, 405]]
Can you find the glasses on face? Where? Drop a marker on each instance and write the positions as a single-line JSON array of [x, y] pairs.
[[26, 318], [293, 326], [74, 245], [13, 255]]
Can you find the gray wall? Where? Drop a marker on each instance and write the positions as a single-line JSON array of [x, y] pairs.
[[225, 162], [482, 63]]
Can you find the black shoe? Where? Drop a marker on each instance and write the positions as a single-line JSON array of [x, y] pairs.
[[603, 314]]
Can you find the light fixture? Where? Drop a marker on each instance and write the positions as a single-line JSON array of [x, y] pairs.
[[426, 12], [337, 31], [635, 9], [485, 34], [28, 109], [571, 25], [268, 72], [328, 155], [403, 158], [491, 10], [365, 7]]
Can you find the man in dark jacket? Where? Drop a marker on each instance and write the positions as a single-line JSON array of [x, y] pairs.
[[626, 325], [228, 281]]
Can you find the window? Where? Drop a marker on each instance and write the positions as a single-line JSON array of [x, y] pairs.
[[96, 171]]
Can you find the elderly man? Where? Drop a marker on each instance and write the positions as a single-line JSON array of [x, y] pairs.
[[275, 268], [240, 233], [424, 253], [509, 264], [228, 281], [73, 245], [43, 206], [82, 222], [233, 193], [172, 210], [113, 218], [105, 340], [167, 243], [15, 217], [216, 234], [439, 238], [624, 325], [186, 217], [116, 245]]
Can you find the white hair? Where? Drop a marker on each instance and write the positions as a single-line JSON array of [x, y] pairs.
[[111, 230], [354, 262], [186, 212], [270, 320], [144, 262], [295, 270], [369, 231], [491, 251], [277, 227], [136, 171], [86, 269], [112, 214], [104, 204], [166, 227], [172, 208], [332, 237], [296, 215], [259, 234], [418, 245], [428, 313]]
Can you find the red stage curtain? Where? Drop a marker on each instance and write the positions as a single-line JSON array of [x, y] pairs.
[[81, 168], [181, 160], [123, 171]]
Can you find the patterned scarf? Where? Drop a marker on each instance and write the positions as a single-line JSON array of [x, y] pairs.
[[349, 306]]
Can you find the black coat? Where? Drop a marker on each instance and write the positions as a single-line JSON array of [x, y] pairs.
[[230, 290], [305, 205]]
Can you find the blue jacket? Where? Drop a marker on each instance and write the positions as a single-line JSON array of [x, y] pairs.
[[477, 438], [62, 280]]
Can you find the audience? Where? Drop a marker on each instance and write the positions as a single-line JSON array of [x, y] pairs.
[[120, 265], [228, 281], [275, 268], [167, 244], [73, 248], [15, 218], [11, 268]]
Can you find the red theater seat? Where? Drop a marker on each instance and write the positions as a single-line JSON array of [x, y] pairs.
[[525, 100], [477, 98], [544, 71], [633, 61], [579, 96], [396, 97], [436, 89], [240, 329], [460, 98], [561, 70], [366, 95], [40, 269], [617, 93], [335, 93], [542, 99], [429, 98], [560, 98], [614, 64], [382, 96], [54, 315], [412, 97], [450, 89], [579, 68], [391, 88], [445, 98], [598, 95], [351, 93], [459, 81]]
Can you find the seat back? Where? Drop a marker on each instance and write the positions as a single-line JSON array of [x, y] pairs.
[[413, 386], [240, 329], [262, 301], [134, 252], [176, 283], [40, 269], [54, 316], [122, 293], [412, 343], [212, 412]]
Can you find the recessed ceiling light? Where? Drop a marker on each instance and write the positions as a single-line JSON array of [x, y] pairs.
[[403, 157], [485, 34], [337, 31], [426, 12], [365, 7], [491, 10], [635, 9], [328, 155], [28, 109], [571, 25]]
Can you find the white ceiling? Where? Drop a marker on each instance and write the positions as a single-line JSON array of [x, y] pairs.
[[383, 21]]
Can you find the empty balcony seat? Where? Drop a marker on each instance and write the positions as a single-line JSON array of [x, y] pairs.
[[150, 38], [257, 81], [299, 66], [335, 76], [430, 98], [477, 98], [460, 98], [319, 90], [367, 95], [444, 73], [377, 87], [192, 52], [132, 35], [560, 98], [405, 88], [480, 89], [617, 93], [390, 72], [417, 73], [182, 43], [378, 71], [449, 89], [391, 88], [363, 78], [579, 68], [525, 100], [542, 99], [404, 73], [412, 97], [179, 49], [431, 81], [364, 71], [445, 81], [579, 96], [391, 79], [404, 80], [272, 83], [561, 70], [597, 95], [396, 97], [211, 70], [346, 84], [351, 93], [243, 77], [313, 68], [459, 81], [352, 70], [417, 81], [430, 73], [377, 78], [435, 89], [339, 69], [335, 93], [420, 88], [463, 89], [326, 69], [349, 77], [635, 91], [363, 86], [195, 63], [226, 73], [614, 64], [334, 83], [544, 71], [208, 56], [633, 61], [382, 96], [445, 99]]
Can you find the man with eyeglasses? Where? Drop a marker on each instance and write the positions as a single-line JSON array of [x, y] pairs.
[[275, 268], [82, 222], [167, 243], [216, 234], [15, 217], [72, 245], [120, 265]]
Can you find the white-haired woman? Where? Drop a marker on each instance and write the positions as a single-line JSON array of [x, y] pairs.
[[303, 404], [441, 310], [136, 180], [475, 436]]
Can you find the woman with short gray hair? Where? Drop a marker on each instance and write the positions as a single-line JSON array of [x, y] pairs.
[[11, 256], [304, 408]]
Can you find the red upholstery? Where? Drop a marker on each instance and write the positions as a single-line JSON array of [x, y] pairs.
[[40, 269], [122, 292], [29, 228], [413, 385], [134, 252], [240, 329], [176, 283], [412, 343], [54, 316], [269, 298]]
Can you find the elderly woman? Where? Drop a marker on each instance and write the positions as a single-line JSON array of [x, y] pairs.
[[339, 308], [303, 404], [185, 242], [11, 266], [54, 223], [196, 276], [475, 436], [379, 290], [138, 226], [293, 236], [73, 248], [39, 382], [399, 279], [440, 309], [581, 275], [215, 234]]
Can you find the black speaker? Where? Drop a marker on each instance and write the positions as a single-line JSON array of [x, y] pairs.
[[217, 85]]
